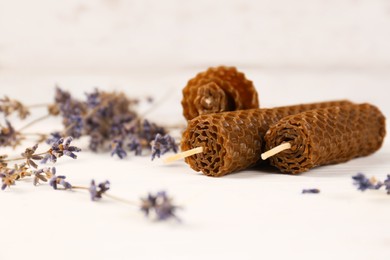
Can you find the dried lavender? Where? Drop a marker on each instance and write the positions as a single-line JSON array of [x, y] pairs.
[[43, 175], [60, 148], [29, 167], [148, 204], [74, 125], [8, 178], [386, 183], [117, 149], [310, 191], [53, 138], [21, 171], [363, 183], [160, 204], [30, 156], [163, 144], [96, 192], [9, 106], [107, 118], [135, 146], [9, 136], [60, 180]]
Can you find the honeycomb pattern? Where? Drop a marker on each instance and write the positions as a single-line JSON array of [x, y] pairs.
[[326, 136], [233, 140], [229, 91]]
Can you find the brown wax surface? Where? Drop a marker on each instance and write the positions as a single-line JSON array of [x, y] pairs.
[[216, 90], [233, 140], [326, 136]]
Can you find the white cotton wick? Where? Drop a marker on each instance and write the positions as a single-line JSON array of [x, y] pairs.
[[275, 150], [183, 154]]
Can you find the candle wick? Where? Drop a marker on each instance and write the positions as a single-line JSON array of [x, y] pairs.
[[275, 150], [183, 154]]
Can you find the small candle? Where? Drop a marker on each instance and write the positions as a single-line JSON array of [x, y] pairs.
[[233, 141], [324, 136]]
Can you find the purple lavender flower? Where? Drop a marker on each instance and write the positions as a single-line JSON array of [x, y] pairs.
[[7, 178], [69, 150], [386, 183], [60, 180], [117, 148], [97, 192], [164, 207], [161, 204], [61, 96], [135, 145], [8, 135], [38, 176], [148, 203], [310, 191], [119, 125], [67, 105], [363, 183], [95, 141], [4, 184], [30, 156], [93, 99], [74, 125], [60, 148], [163, 144], [54, 137], [8, 106], [150, 130]]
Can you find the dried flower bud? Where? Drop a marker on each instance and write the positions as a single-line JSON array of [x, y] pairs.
[[160, 204], [8, 106], [96, 192], [363, 183]]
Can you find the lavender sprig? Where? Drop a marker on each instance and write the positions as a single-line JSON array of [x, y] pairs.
[[310, 191], [9, 106], [7, 178], [9, 136], [363, 183], [96, 192], [163, 144], [386, 183], [160, 204], [43, 175], [60, 180], [117, 149], [30, 156], [60, 148]]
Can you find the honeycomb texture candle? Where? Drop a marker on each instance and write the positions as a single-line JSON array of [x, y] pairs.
[[216, 90], [233, 140], [326, 136]]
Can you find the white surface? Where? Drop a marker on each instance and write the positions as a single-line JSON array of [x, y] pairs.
[[294, 51], [252, 214], [112, 35]]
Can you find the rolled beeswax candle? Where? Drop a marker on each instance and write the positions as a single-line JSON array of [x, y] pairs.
[[326, 136], [233, 141], [216, 90]]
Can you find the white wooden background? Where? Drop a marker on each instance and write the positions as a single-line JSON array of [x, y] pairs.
[[120, 35]]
